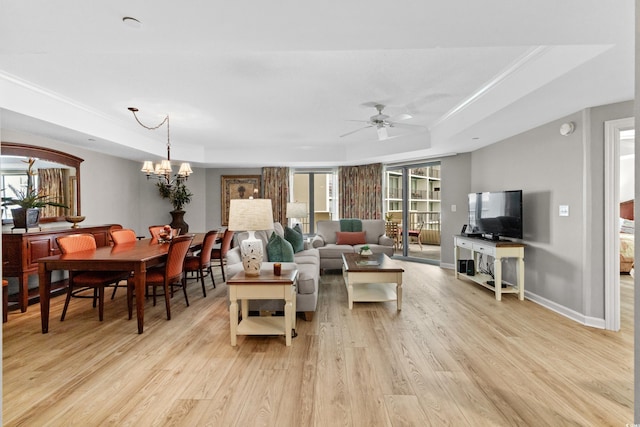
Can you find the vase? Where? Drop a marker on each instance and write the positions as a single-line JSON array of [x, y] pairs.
[[177, 221], [25, 218]]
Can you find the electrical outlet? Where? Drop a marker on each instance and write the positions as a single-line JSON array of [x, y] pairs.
[[564, 210]]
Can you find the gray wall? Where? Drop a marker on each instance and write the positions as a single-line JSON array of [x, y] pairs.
[[564, 255], [114, 191], [455, 176]]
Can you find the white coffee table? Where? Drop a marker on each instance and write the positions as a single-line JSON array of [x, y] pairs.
[[371, 279]]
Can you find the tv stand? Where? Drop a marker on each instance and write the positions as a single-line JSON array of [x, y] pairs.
[[498, 250]]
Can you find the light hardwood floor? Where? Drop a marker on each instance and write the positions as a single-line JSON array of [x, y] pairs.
[[453, 356]]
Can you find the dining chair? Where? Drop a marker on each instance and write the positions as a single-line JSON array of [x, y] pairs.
[[155, 231], [118, 237], [167, 276], [416, 234], [391, 230], [113, 227], [221, 252], [80, 281], [201, 263]]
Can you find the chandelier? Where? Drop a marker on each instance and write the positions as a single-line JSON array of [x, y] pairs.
[[163, 169]]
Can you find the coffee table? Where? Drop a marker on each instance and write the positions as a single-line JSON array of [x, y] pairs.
[[372, 278], [265, 286]]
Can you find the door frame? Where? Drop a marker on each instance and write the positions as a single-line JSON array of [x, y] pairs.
[[612, 130]]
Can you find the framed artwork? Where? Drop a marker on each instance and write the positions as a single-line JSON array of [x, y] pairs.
[[237, 187]]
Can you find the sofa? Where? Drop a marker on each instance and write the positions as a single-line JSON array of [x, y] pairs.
[[306, 261], [333, 238]]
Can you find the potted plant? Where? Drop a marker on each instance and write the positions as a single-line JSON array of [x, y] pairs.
[[30, 201], [179, 196], [365, 251]]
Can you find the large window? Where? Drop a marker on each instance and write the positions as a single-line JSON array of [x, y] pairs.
[[318, 190]]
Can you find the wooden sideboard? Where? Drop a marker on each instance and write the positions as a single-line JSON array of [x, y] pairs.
[[21, 251]]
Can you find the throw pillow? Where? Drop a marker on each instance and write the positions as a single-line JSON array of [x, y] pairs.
[[294, 237], [350, 237], [278, 249], [350, 224]]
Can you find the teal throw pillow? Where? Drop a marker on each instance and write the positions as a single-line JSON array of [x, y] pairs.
[[279, 250], [294, 237], [350, 224]]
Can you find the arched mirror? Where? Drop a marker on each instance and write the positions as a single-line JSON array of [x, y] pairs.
[[50, 163]]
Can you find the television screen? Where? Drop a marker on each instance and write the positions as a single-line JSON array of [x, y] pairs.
[[496, 214]]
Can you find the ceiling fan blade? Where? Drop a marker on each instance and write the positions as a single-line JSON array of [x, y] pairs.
[[354, 131], [398, 117], [407, 126]]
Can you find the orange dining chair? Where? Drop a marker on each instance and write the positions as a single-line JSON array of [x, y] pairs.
[[114, 227], [201, 263], [80, 281], [221, 252], [167, 276], [155, 231], [118, 237]]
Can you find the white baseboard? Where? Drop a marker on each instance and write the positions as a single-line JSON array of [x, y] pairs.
[[592, 322], [564, 311]]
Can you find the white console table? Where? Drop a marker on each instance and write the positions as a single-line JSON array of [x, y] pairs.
[[498, 250]]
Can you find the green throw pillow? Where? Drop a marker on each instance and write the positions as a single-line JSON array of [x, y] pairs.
[[294, 236], [350, 224], [278, 249]]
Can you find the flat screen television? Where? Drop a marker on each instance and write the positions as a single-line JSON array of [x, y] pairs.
[[496, 215]]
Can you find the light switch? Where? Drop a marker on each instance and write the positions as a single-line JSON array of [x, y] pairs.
[[453, 208], [564, 210]]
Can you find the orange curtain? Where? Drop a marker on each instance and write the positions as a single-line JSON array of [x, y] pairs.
[[275, 182], [51, 183], [360, 191]]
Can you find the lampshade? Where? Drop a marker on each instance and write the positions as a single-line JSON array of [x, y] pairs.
[[297, 210], [250, 214], [147, 167], [185, 169]]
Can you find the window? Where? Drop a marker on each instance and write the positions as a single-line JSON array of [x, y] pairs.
[[317, 190]]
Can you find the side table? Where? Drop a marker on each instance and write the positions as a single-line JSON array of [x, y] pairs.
[[265, 286]]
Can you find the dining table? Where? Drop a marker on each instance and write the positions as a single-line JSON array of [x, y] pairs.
[[136, 257]]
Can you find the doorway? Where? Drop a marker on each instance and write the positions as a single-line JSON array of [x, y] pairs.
[[412, 207], [619, 146]]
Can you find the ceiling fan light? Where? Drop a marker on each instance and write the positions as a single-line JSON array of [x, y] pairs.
[[382, 133]]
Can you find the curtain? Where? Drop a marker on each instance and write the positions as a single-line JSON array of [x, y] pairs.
[[275, 182], [360, 191], [51, 183]]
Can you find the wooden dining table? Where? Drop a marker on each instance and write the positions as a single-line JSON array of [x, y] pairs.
[[136, 257]]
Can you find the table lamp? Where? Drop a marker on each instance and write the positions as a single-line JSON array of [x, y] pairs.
[[297, 210], [250, 215]]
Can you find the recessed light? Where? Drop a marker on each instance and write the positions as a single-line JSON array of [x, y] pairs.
[[132, 22]]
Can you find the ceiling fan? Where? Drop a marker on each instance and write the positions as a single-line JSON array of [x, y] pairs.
[[382, 121]]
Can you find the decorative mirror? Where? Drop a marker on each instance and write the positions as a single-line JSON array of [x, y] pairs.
[[65, 167]]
